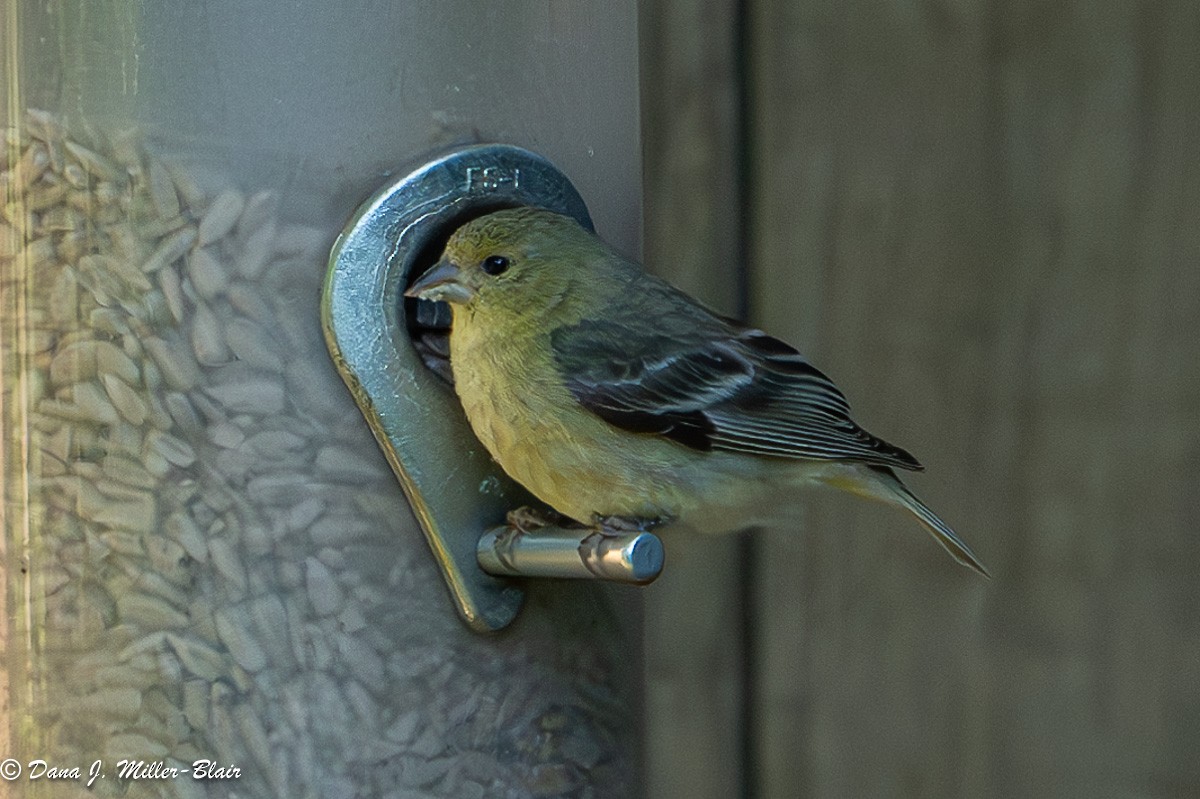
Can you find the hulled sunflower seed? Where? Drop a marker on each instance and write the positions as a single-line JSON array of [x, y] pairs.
[[126, 401], [207, 274], [220, 217], [170, 249], [256, 395], [208, 342], [174, 450], [178, 367], [241, 645], [172, 289], [323, 591]]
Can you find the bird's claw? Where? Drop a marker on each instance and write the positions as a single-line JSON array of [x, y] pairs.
[[622, 525], [526, 519]]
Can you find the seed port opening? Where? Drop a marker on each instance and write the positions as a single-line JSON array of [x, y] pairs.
[[428, 322]]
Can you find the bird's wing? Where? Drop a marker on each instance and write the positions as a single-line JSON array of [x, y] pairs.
[[665, 365]]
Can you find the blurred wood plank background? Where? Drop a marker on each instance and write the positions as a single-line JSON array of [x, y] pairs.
[[695, 655], [982, 220]]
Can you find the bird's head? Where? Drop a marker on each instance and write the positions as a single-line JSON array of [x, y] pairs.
[[521, 260]]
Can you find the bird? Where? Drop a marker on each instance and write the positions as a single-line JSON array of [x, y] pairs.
[[621, 402]]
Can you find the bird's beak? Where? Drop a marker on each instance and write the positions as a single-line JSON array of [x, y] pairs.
[[441, 284]]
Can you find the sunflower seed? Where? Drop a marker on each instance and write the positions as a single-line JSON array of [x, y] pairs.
[[363, 661], [404, 729], [197, 657], [172, 289], [261, 208], [100, 267], [93, 163], [323, 591], [107, 320], [272, 442], [168, 558], [297, 631], [241, 645], [208, 344], [255, 396], [178, 367], [124, 439], [157, 415], [182, 413], [156, 464], [234, 465], [74, 362], [301, 515], [227, 563], [92, 403], [220, 217], [65, 298], [126, 245], [76, 177], [170, 249], [278, 489], [150, 612], [337, 462], [253, 735], [138, 516], [247, 301], [110, 360], [124, 399], [44, 125], [364, 707], [159, 227], [128, 471], [338, 531], [253, 345], [256, 252], [313, 388], [29, 167], [270, 621], [195, 701], [180, 527], [186, 185], [226, 434], [125, 149], [174, 450], [206, 273]]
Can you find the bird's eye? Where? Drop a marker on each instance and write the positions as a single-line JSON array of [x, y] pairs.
[[494, 264]]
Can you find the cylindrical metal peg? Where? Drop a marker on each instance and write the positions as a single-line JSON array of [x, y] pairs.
[[558, 552]]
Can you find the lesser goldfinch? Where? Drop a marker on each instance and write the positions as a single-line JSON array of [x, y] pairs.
[[610, 394]]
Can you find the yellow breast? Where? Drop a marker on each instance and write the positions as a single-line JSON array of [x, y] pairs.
[[566, 456]]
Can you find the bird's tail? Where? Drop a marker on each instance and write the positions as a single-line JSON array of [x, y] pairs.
[[881, 483]]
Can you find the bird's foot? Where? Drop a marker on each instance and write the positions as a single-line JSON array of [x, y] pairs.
[[526, 519], [622, 525]]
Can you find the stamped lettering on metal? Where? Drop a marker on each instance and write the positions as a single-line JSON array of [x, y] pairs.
[[491, 178]]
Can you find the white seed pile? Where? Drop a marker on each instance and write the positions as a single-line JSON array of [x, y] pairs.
[[209, 555]]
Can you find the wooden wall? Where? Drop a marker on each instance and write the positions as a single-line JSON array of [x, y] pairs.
[[983, 221], [694, 655]]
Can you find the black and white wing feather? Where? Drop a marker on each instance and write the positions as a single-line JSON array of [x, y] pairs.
[[670, 367]]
